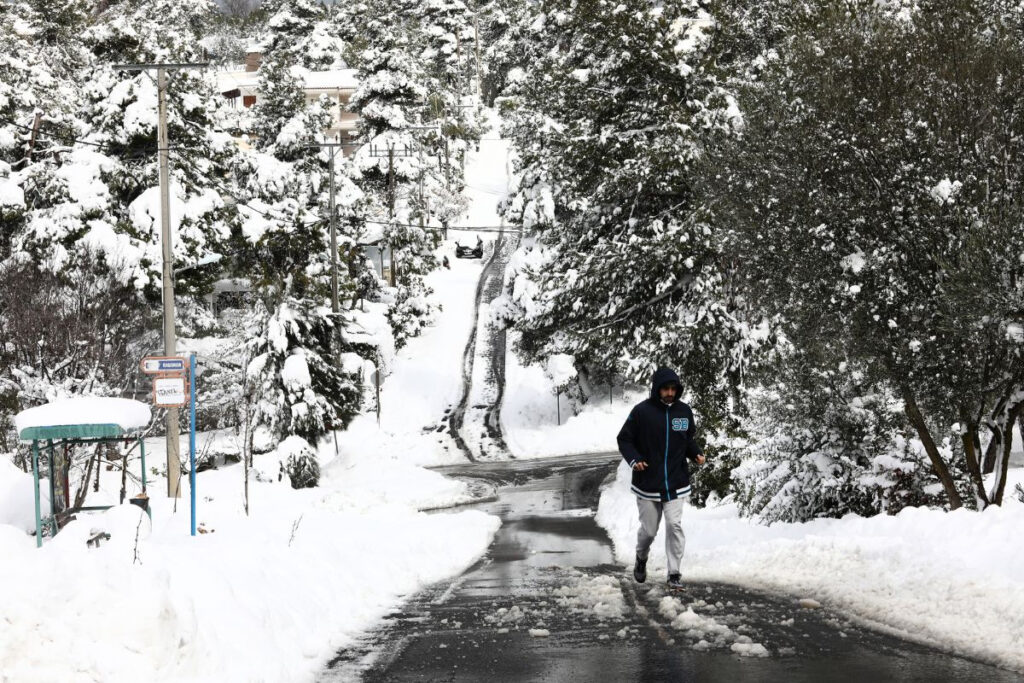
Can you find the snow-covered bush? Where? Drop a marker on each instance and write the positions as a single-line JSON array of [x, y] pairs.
[[828, 451], [714, 479], [410, 313], [299, 463]]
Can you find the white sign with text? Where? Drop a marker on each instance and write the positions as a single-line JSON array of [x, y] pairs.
[[170, 391]]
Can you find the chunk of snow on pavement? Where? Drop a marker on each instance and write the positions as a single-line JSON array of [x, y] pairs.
[[598, 595], [749, 649], [539, 632], [809, 603], [506, 615]]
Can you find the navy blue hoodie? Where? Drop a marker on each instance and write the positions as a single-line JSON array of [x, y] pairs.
[[663, 437]]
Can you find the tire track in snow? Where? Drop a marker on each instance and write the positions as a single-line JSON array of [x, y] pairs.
[[458, 415]]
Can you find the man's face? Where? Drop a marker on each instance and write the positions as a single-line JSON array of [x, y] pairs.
[[668, 393]]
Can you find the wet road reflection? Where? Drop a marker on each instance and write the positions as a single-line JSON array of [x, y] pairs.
[[548, 604]]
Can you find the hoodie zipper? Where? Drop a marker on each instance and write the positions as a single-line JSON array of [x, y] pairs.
[[668, 494]]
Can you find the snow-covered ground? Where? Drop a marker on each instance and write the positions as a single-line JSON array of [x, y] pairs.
[[530, 415], [272, 595], [268, 597], [954, 580]]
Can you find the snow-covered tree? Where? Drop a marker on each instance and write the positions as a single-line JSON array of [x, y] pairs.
[[87, 224], [390, 101], [103, 199], [504, 35], [620, 269], [300, 393], [873, 212], [39, 54], [447, 29], [307, 33]]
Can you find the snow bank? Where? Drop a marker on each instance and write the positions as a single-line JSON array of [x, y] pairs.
[[529, 413], [951, 580], [93, 410], [268, 597]]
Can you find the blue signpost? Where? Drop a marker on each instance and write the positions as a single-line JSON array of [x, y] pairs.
[[192, 436]]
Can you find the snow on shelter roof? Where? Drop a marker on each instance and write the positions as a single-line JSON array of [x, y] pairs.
[[85, 417]]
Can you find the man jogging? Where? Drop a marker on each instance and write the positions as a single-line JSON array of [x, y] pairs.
[[656, 442]]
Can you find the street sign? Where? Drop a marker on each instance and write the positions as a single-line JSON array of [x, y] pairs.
[[152, 365], [170, 391]]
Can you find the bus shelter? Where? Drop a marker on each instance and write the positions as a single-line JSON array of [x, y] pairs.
[[71, 422]]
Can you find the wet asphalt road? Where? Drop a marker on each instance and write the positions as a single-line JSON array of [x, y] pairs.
[[527, 611]]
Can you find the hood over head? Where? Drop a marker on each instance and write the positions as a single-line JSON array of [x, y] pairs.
[[663, 376]]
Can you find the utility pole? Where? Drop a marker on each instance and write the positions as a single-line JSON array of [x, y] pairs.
[[404, 152], [423, 206], [335, 304], [391, 207], [170, 347], [476, 45], [335, 308]]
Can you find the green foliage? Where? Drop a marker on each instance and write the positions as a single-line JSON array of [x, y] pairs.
[[622, 270], [298, 387], [870, 210], [303, 472]]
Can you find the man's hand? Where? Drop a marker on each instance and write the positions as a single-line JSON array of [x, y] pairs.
[[700, 458], [640, 465]]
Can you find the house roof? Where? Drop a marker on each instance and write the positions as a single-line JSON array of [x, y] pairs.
[[338, 79]]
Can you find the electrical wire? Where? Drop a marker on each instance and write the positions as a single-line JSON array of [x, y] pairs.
[[244, 204]]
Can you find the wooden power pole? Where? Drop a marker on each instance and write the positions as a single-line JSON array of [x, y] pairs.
[[166, 238]]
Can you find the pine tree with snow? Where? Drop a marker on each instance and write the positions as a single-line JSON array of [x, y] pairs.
[[447, 28], [390, 101], [104, 197], [89, 230], [307, 32], [39, 53], [300, 393], [505, 43], [620, 269]]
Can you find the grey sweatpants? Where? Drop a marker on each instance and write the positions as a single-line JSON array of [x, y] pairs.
[[675, 540]]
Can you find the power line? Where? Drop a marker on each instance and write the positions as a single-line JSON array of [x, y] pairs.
[[106, 146], [74, 140]]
